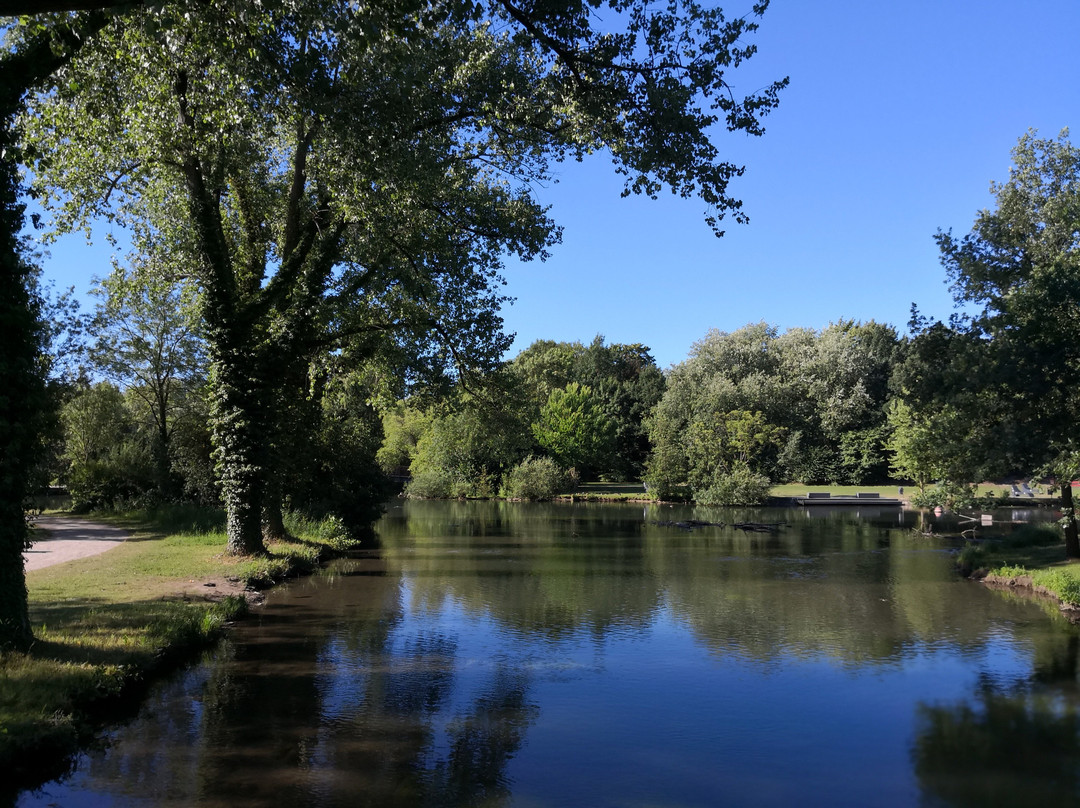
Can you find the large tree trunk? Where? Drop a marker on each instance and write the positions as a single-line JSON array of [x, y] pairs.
[[273, 521], [239, 442], [1072, 541], [21, 392], [22, 398], [18, 432]]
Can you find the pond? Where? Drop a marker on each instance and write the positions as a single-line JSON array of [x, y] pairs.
[[497, 654]]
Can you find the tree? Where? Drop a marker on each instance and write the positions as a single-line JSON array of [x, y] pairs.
[[819, 395], [107, 459], [629, 385], [1020, 265], [574, 429], [41, 51], [146, 341], [328, 170], [465, 452], [623, 378], [726, 453]]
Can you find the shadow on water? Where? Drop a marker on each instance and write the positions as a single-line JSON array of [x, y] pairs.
[[495, 654]]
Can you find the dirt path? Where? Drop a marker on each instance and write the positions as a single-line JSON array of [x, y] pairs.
[[65, 538]]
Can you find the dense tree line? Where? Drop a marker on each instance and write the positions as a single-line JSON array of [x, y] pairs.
[[757, 406], [582, 408], [985, 396]]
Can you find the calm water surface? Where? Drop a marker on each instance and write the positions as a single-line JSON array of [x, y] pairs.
[[496, 654]]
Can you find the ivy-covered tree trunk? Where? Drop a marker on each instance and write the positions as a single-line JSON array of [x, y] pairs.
[[20, 392], [22, 387], [239, 439]]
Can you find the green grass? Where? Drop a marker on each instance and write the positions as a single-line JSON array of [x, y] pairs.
[[891, 490], [607, 492], [104, 624], [801, 489], [1034, 553]]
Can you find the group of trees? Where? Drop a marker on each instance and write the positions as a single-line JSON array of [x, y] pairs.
[[558, 412], [756, 406], [993, 391], [339, 182], [331, 190]]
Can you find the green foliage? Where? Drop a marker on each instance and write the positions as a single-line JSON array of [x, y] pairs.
[[722, 445], [462, 448], [465, 453], [738, 485], [439, 483], [330, 469], [145, 340], [108, 461], [1062, 583], [330, 190], [191, 449], [1033, 535], [950, 495], [574, 429], [929, 445], [402, 428], [1019, 271], [806, 405], [536, 478], [624, 380]]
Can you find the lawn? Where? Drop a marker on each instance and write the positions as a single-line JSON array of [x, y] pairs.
[[105, 624]]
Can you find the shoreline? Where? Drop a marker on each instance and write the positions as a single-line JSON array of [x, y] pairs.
[[1025, 585], [82, 691]]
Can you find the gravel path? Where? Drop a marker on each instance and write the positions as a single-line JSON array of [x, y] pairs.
[[65, 538]]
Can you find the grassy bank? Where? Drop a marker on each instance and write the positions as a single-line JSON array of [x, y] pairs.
[[1033, 557], [105, 625]]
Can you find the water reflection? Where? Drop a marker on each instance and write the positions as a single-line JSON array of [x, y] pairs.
[[496, 654], [1000, 748]]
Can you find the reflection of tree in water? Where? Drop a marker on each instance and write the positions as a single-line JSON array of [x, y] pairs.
[[345, 704], [1005, 749], [1016, 743], [543, 569], [482, 743]]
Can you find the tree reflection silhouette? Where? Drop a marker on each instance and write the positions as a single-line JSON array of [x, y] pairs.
[[1003, 748]]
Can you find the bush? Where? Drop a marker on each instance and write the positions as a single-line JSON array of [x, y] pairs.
[[436, 483], [740, 486], [1062, 583], [536, 478]]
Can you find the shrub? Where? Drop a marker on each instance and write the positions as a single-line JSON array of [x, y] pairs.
[[740, 486], [972, 557], [536, 478], [1062, 583], [436, 483]]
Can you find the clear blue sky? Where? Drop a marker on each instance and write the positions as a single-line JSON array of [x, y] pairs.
[[897, 118]]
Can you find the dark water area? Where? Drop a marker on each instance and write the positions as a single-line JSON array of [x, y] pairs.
[[497, 654]]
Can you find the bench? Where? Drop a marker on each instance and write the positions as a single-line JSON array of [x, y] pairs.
[[818, 495], [868, 495]]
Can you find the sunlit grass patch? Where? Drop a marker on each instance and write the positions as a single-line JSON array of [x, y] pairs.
[[103, 624]]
